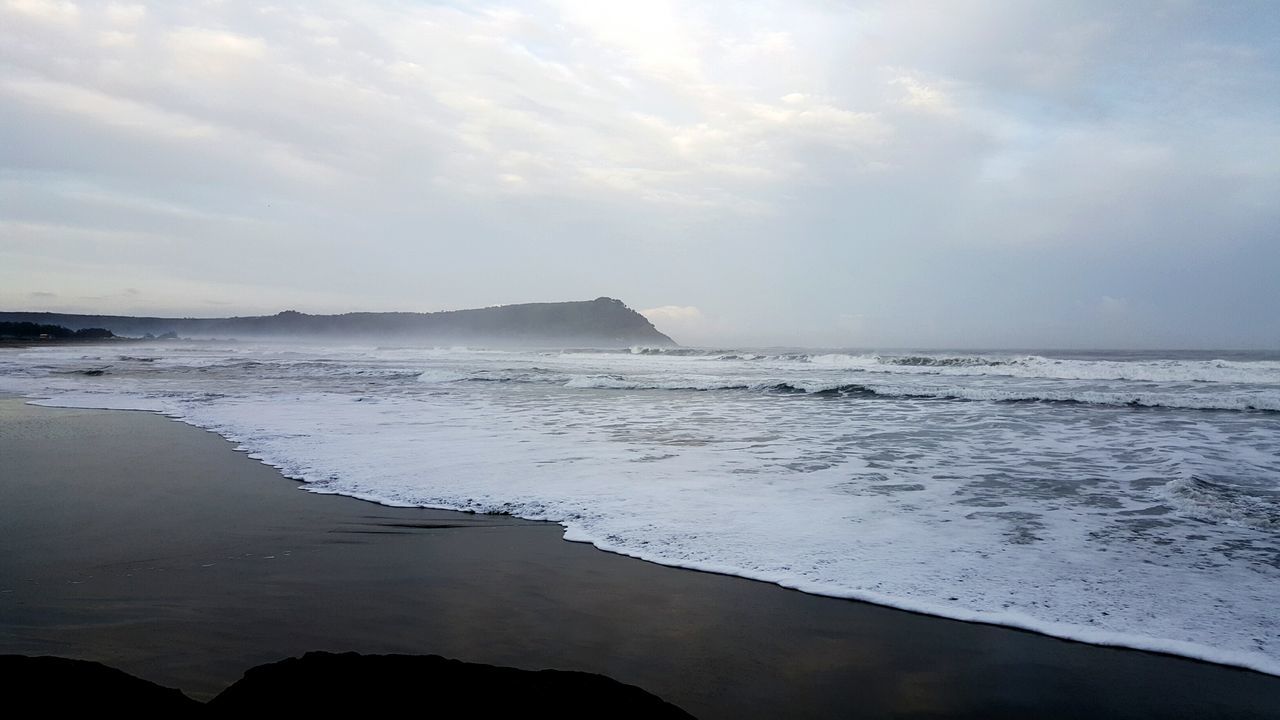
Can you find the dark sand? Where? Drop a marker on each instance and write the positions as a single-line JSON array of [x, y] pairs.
[[152, 547]]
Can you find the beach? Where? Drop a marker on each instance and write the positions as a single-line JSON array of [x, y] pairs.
[[157, 549]]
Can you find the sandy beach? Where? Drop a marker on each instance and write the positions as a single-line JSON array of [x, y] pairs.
[[155, 548]]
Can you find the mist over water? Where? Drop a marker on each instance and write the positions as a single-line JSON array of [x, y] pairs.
[[1125, 498]]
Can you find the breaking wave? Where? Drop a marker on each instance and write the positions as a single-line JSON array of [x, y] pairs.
[[1027, 366], [1220, 501], [1262, 403]]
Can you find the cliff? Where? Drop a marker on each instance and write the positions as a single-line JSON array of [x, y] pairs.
[[603, 322]]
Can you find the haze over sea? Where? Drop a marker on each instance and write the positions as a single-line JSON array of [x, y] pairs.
[[1112, 497]]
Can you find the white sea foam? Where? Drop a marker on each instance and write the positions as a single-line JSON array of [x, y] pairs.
[[1225, 502], [1164, 370], [1252, 399], [441, 375], [1033, 366], [101, 401], [1093, 519]]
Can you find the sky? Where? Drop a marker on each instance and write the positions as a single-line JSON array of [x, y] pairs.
[[955, 174]]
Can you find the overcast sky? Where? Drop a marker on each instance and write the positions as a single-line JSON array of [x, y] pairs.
[[863, 174]]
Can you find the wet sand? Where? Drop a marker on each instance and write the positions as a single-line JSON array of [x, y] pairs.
[[153, 547]]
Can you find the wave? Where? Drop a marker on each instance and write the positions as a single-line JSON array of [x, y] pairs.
[[934, 361], [1036, 366], [441, 375], [712, 354], [1246, 372], [1265, 403], [677, 352], [1218, 501], [1069, 397], [728, 362], [1260, 375], [617, 382]]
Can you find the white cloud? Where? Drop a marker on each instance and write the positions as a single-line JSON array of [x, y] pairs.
[[678, 313], [685, 323], [1113, 306], [205, 47], [107, 109], [116, 38], [49, 11], [126, 15], [923, 96]]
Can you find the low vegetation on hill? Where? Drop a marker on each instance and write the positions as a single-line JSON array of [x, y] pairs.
[[37, 331]]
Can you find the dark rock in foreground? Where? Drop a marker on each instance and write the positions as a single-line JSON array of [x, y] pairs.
[[325, 684], [603, 322], [53, 685], [322, 682]]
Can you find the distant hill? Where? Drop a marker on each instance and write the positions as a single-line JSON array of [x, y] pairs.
[[30, 330], [603, 322]]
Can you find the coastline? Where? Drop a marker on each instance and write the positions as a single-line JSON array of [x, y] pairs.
[[248, 570]]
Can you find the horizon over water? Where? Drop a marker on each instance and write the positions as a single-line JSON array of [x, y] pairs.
[[1117, 497]]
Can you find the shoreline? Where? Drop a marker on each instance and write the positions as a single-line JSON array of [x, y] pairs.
[[379, 578], [1067, 633]]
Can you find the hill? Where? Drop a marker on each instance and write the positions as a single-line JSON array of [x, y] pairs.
[[603, 322], [36, 331]]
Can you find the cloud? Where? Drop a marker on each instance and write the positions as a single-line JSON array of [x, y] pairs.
[[770, 164], [204, 46], [125, 15], [684, 322], [1108, 305], [41, 295], [45, 11], [679, 313]]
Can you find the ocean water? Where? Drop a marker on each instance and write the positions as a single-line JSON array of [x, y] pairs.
[[1130, 499]]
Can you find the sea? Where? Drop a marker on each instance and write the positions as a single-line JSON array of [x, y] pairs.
[[1118, 498]]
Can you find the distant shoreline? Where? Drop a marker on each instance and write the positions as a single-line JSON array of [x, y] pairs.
[[603, 322], [43, 342]]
